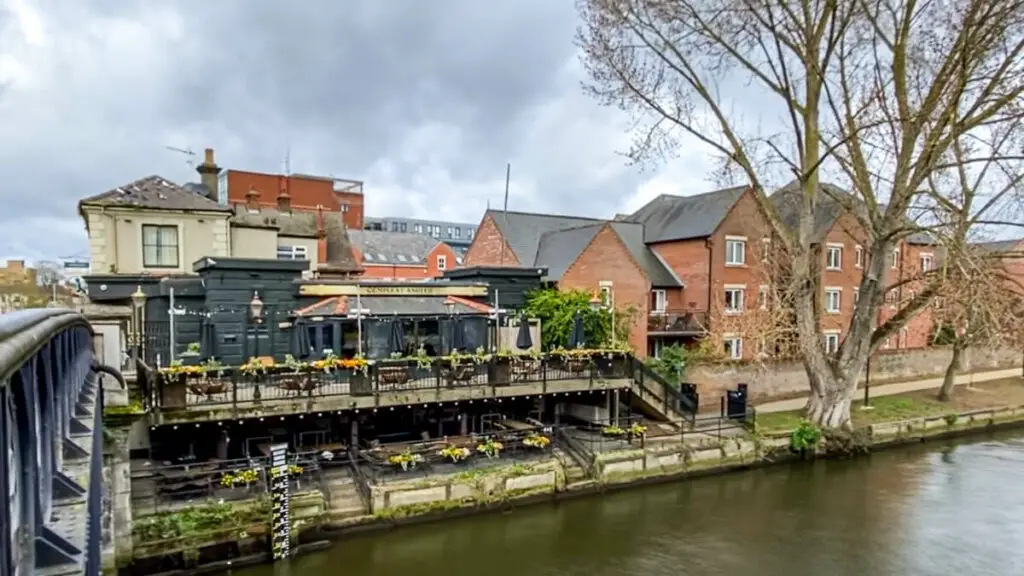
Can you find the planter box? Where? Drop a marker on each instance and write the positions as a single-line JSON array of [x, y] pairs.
[[499, 372], [359, 384], [173, 390]]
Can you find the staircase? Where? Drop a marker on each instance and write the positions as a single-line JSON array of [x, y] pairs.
[[344, 501], [657, 399]]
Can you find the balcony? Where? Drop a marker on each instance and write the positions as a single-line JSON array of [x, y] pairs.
[[177, 394], [677, 323]]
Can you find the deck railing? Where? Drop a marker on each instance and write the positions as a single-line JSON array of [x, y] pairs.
[[198, 386]]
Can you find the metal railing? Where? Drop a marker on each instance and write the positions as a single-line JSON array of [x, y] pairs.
[[51, 438], [232, 387], [656, 388], [678, 322]]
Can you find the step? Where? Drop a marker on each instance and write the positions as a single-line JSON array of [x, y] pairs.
[[335, 514]]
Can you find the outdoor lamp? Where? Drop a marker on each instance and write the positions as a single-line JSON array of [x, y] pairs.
[[138, 298], [256, 306], [449, 306], [596, 303]]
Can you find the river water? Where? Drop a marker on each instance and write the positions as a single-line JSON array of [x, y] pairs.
[[934, 509]]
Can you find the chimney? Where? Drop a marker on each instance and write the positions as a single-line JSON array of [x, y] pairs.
[[284, 199], [252, 199], [209, 174]]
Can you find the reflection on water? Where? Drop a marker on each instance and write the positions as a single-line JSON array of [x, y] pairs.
[[937, 509]]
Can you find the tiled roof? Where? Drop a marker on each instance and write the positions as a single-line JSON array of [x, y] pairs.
[[154, 192], [394, 248], [1001, 245], [299, 224], [658, 271], [522, 230], [669, 217]]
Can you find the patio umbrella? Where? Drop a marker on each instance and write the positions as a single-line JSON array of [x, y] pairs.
[[458, 334], [207, 338], [396, 339], [300, 340], [577, 338], [523, 340]]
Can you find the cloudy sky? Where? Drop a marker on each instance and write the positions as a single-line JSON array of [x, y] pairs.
[[424, 101]]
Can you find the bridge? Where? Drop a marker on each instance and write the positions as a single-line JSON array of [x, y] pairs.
[[51, 434]]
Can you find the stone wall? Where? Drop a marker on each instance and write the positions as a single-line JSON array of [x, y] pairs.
[[782, 379]]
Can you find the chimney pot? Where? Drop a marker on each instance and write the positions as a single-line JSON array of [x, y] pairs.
[[252, 199], [209, 174], [208, 157]]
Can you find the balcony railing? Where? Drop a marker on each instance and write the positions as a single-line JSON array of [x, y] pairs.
[[678, 322], [207, 387]]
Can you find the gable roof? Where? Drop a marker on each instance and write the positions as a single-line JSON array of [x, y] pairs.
[[154, 193], [522, 230], [300, 224], [669, 217], [559, 249], [393, 248], [1000, 246]]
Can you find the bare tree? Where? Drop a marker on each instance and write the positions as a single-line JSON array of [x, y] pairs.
[[870, 95]]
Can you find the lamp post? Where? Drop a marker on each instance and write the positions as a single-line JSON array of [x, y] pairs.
[[138, 304], [449, 307], [256, 313]]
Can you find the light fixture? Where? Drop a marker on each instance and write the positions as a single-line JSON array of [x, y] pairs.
[[596, 303], [256, 306], [138, 298]]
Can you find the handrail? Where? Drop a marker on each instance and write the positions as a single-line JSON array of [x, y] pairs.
[[683, 405], [23, 333], [361, 481], [576, 450]]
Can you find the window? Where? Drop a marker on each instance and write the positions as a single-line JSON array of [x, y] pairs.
[[159, 246], [856, 296], [417, 228], [735, 251], [291, 252], [458, 232], [834, 258], [733, 346], [394, 226], [926, 262], [859, 256], [658, 301], [449, 231], [762, 297], [891, 296], [606, 293], [894, 258], [469, 233], [435, 231], [831, 342], [442, 262], [403, 227], [766, 249], [734, 299], [833, 300], [344, 206]]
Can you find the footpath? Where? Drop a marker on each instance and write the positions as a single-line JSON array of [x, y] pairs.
[[897, 388]]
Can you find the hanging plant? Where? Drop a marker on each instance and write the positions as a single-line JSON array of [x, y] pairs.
[[295, 365], [406, 460], [536, 441], [254, 366], [212, 366], [176, 367], [637, 429], [613, 431]]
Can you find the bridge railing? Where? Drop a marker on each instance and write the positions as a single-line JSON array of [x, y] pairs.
[[51, 406]]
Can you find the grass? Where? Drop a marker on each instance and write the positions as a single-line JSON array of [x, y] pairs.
[[917, 404]]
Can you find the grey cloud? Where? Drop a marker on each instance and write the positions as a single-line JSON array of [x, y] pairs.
[[426, 101]]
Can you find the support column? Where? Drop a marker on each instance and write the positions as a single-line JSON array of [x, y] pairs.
[[463, 424], [354, 432], [615, 404]]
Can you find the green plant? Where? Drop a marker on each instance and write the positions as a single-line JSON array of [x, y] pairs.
[[490, 448], [192, 348], [950, 419], [671, 363], [613, 430], [455, 453], [212, 366], [536, 441], [637, 429], [556, 310], [295, 365], [804, 437]]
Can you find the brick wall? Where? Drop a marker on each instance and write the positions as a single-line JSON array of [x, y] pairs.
[[781, 379], [489, 247], [606, 259]]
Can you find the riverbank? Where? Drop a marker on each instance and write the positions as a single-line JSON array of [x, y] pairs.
[[505, 485]]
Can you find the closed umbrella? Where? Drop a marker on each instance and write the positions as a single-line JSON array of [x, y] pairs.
[[300, 340], [458, 334], [396, 338], [208, 339], [577, 338], [523, 339]]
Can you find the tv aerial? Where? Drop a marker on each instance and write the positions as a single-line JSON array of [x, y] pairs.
[[187, 152]]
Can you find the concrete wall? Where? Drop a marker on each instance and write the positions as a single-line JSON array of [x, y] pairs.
[[777, 379]]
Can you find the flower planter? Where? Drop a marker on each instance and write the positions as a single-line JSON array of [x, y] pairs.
[[359, 384], [499, 372], [173, 390], [614, 366]]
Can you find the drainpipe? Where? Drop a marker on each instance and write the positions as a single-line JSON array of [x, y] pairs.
[[711, 267]]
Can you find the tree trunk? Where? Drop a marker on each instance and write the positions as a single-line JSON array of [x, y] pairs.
[[829, 403], [949, 380]]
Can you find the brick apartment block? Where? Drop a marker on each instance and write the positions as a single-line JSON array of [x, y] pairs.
[[692, 266]]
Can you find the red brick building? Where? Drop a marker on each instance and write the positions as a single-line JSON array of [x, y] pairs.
[[401, 256], [687, 266]]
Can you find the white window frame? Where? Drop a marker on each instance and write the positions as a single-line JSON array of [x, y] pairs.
[[859, 256], [927, 257], [607, 296], [831, 342], [164, 251], [836, 249], [766, 247], [285, 252], [730, 243], [736, 346], [894, 261], [856, 296], [442, 262], [741, 289], [660, 301], [763, 293], [838, 292]]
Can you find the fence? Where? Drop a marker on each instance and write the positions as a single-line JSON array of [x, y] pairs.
[[214, 386], [655, 387]]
